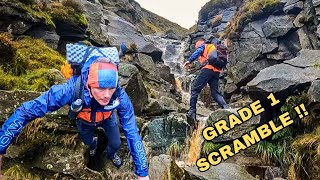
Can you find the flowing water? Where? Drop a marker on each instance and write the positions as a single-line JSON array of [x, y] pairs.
[[173, 56]]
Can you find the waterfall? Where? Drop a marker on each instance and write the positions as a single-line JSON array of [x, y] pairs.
[[173, 51], [173, 57]]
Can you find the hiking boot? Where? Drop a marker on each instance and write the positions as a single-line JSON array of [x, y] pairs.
[[116, 160], [94, 150], [191, 118]]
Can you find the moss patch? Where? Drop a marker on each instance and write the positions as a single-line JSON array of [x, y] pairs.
[[250, 10], [18, 172], [151, 27], [67, 14], [35, 11], [26, 63], [68, 11], [38, 54]]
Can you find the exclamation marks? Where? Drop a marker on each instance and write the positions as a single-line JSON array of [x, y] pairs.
[[303, 108]]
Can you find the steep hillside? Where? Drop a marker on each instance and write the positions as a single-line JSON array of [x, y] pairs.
[[148, 22]]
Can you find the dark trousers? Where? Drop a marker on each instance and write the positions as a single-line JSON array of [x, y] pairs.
[[110, 126], [212, 78]]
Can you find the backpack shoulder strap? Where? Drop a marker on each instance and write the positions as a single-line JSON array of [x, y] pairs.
[[78, 89], [78, 94]]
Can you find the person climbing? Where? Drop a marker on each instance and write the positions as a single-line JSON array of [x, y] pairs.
[[209, 74], [101, 96]]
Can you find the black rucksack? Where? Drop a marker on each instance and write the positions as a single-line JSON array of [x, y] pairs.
[[219, 56]]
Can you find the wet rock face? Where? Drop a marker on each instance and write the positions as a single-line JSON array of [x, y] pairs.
[[162, 132]]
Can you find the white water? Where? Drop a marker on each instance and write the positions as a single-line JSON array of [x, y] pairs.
[[173, 56]]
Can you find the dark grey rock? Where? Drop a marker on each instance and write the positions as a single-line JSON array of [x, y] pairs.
[[146, 63], [248, 50], [202, 27], [237, 131], [162, 132], [314, 92], [269, 45], [221, 27], [223, 171], [19, 27], [151, 50], [287, 76], [277, 26], [132, 82], [289, 46], [294, 8], [316, 3], [50, 37], [97, 25], [227, 15], [164, 72], [304, 38], [242, 73]]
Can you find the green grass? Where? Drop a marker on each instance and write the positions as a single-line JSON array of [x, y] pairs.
[[26, 64], [250, 9], [18, 172], [208, 147]]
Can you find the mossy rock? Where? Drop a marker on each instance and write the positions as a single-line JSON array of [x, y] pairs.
[[38, 54], [67, 14], [35, 12], [26, 64]]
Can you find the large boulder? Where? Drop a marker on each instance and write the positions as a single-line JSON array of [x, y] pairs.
[[50, 37], [147, 65], [293, 7], [289, 46], [17, 19], [237, 131], [119, 30], [66, 160], [159, 166], [165, 74], [97, 24], [132, 82], [242, 72], [228, 14], [288, 76], [223, 171], [277, 26], [162, 132]]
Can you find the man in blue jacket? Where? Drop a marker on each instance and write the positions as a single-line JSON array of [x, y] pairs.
[[101, 95]]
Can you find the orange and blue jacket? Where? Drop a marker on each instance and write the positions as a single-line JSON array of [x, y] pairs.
[[202, 52]]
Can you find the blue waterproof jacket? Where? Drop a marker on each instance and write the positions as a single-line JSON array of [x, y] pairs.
[[58, 96]]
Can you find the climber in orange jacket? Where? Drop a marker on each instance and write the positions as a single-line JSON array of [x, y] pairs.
[[208, 75]]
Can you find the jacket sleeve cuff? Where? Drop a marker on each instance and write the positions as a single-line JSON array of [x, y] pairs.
[[141, 173], [3, 151]]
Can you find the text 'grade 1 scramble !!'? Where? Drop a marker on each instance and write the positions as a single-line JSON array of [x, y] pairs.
[[248, 139]]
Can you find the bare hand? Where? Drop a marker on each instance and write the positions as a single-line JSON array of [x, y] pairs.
[[186, 65], [143, 178]]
